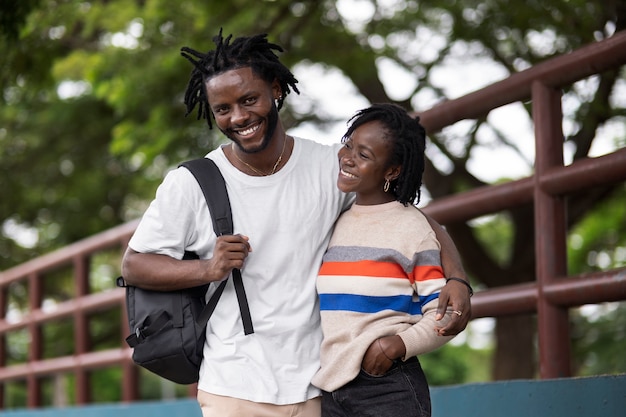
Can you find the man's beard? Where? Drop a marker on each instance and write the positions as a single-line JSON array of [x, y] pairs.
[[272, 122]]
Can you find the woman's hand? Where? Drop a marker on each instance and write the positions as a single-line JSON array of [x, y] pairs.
[[457, 296], [379, 357]]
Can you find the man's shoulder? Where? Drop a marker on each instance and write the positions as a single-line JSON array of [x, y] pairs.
[[316, 144], [311, 149]]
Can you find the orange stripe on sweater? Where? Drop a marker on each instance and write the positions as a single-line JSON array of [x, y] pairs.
[[363, 268], [426, 272], [380, 269]]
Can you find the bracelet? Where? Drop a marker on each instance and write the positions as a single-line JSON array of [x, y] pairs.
[[383, 350], [469, 287]]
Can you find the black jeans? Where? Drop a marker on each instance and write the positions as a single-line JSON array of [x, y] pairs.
[[402, 391]]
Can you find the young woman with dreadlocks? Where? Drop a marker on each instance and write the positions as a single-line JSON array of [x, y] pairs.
[[284, 203], [381, 276]]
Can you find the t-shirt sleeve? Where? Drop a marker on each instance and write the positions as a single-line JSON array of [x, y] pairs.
[[167, 226]]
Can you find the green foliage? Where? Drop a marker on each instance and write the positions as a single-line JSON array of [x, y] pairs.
[[103, 266], [58, 390], [17, 346], [599, 340], [153, 387], [15, 394], [105, 384], [496, 233], [453, 365], [57, 338], [13, 14], [92, 92], [598, 242], [105, 329], [91, 117]]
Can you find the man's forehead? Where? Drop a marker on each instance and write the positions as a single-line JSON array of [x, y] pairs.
[[243, 71], [234, 84]]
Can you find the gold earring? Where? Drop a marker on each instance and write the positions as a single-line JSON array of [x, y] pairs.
[[386, 186]]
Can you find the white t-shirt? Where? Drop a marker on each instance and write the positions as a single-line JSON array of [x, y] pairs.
[[288, 217]]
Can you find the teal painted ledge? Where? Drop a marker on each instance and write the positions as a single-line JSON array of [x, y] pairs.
[[569, 397], [172, 408]]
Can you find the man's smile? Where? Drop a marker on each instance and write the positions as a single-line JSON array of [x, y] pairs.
[[248, 131]]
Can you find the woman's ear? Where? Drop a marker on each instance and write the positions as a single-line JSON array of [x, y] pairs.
[[393, 173]]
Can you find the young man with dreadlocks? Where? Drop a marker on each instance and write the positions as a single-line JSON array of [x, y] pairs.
[[381, 276], [284, 204]]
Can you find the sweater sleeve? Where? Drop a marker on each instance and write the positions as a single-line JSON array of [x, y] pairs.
[[421, 337], [428, 280]]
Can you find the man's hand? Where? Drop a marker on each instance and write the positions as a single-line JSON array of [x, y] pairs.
[[230, 253], [456, 295], [163, 273]]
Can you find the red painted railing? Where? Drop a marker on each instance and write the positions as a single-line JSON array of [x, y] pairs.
[[549, 297]]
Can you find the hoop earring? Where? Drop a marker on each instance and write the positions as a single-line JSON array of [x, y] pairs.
[[386, 186]]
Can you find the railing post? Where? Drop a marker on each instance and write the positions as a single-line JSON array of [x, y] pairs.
[[3, 338], [550, 234], [81, 328], [130, 371], [33, 383], [130, 381]]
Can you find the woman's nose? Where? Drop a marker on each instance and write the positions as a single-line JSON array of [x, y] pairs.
[[346, 158]]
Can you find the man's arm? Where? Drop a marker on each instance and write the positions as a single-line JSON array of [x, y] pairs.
[[455, 293], [164, 273]]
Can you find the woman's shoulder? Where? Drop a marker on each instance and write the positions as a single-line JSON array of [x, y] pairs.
[[412, 218]]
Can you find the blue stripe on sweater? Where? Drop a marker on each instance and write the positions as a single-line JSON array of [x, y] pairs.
[[373, 304]]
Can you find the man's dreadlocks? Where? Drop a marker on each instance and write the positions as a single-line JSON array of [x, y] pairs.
[[254, 52], [408, 142]]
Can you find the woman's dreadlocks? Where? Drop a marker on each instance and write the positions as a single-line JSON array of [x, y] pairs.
[[254, 52], [408, 139]]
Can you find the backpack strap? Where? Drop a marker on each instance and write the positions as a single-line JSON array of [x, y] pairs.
[[213, 187]]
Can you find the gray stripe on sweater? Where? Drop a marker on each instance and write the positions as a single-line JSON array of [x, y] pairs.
[[364, 253]]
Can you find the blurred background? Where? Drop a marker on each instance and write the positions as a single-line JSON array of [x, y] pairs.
[[91, 119]]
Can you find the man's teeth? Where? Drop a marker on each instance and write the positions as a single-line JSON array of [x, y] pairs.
[[248, 131]]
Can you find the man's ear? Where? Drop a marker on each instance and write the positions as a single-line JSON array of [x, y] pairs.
[[277, 92]]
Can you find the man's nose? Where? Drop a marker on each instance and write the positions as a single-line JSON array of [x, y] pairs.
[[239, 115]]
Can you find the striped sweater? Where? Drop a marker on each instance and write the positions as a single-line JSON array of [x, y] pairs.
[[381, 276]]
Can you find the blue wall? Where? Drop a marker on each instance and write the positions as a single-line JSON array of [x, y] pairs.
[[573, 397]]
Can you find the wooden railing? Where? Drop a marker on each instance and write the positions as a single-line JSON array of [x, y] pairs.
[[550, 296]]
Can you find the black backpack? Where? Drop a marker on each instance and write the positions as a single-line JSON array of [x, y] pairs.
[[168, 328]]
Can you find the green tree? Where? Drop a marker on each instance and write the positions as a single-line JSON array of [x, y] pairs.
[[91, 114], [596, 243]]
